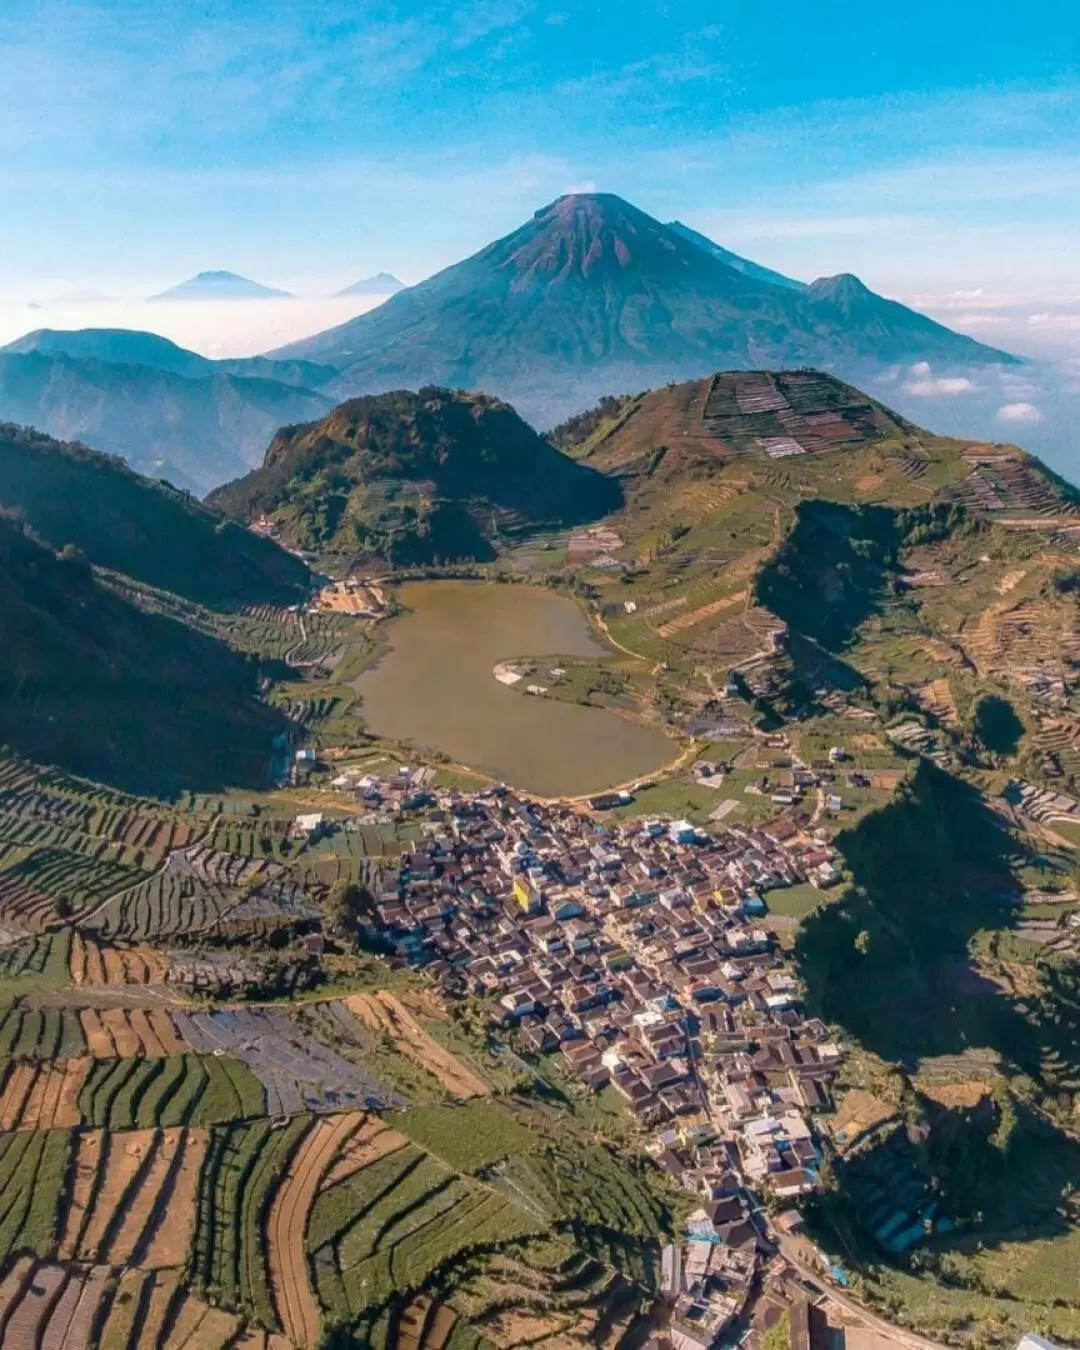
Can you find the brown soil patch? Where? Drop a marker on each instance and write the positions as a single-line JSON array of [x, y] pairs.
[[197, 1326], [117, 1334], [125, 1154], [95, 963], [146, 1209], [956, 1096], [26, 1321], [172, 1043], [146, 1033], [169, 1244], [411, 1323], [290, 1281], [697, 616], [867, 482], [125, 1040], [98, 1038], [441, 1325], [166, 1283], [42, 1096], [385, 1012], [371, 1142], [77, 959], [859, 1112]]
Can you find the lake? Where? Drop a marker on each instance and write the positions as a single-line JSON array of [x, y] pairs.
[[435, 688]]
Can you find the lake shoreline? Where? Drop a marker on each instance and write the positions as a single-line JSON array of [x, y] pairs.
[[433, 685]]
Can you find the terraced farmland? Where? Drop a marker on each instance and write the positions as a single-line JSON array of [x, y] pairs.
[[41, 1033], [125, 1094], [243, 1166], [133, 1197], [58, 1307], [390, 1226], [41, 1096], [126, 1032], [33, 1172], [95, 963]]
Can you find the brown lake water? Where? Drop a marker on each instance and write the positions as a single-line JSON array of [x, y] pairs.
[[435, 688]]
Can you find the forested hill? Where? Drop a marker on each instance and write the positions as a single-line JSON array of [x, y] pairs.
[[415, 477]]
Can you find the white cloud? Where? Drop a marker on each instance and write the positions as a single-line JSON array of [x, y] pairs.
[[924, 384], [1019, 412]]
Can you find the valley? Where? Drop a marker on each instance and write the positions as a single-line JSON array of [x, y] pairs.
[[312, 1033]]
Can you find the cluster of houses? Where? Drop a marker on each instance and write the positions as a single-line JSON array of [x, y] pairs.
[[635, 953]]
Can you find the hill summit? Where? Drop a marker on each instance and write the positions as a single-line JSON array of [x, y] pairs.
[[221, 286], [592, 296], [414, 477]]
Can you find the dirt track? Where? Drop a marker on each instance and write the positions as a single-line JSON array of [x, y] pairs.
[[294, 1297], [383, 1011]]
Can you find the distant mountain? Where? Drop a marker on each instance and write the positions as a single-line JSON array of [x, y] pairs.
[[221, 286], [380, 284], [68, 494], [592, 297], [97, 684], [130, 346], [202, 430], [415, 477], [744, 265]]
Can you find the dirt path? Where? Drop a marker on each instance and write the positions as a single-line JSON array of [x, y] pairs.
[[290, 1281], [384, 1012]]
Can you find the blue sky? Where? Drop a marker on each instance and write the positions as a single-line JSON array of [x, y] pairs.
[[934, 150]]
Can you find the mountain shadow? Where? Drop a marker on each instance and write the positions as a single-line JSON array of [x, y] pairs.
[[840, 564], [97, 686], [889, 960], [151, 532]]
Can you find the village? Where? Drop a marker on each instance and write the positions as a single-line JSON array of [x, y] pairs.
[[637, 956]]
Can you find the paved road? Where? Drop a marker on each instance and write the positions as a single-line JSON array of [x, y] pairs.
[[794, 1249]]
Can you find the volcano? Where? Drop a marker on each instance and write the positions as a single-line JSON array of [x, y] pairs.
[[593, 296]]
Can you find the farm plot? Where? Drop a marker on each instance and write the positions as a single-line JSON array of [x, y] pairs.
[[297, 1072], [120, 1033], [279, 901], [33, 1171], [133, 1197], [167, 903], [294, 1298], [56, 1307], [389, 1227], [52, 884], [95, 963], [126, 1094], [41, 1096], [384, 1012], [38, 960], [49, 1033], [243, 1168]]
